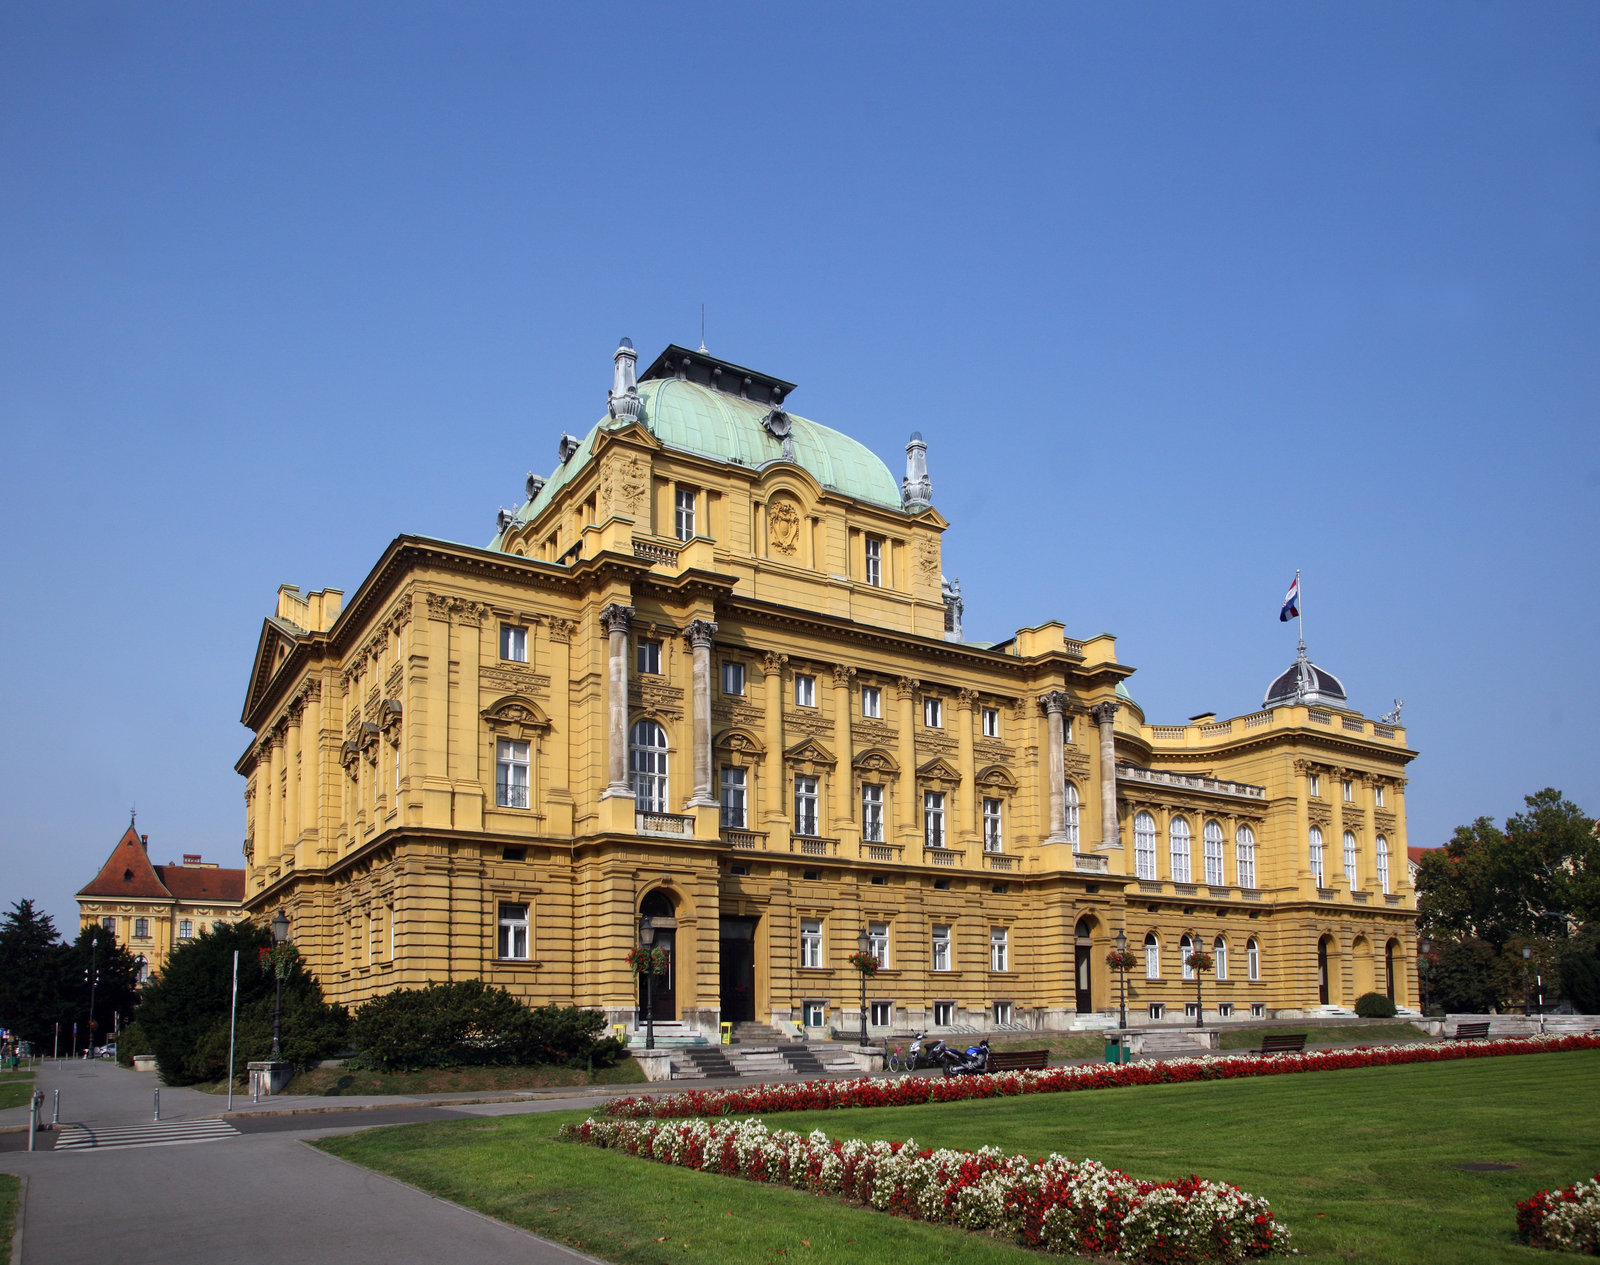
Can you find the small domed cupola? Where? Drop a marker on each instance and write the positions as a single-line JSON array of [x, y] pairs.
[[1304, 684]]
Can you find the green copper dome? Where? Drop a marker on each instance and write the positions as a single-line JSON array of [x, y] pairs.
[[692, 418]]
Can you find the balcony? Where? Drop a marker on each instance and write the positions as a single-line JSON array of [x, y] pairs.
[[663, 824], [811, 846], [877, 850], [1189, 782], [999, 861], [942, 856], [744, 840]]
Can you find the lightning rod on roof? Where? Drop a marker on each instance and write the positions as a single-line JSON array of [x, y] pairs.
[[702, 327]]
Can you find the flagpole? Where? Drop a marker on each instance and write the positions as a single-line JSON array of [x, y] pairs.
[[1301, 604]]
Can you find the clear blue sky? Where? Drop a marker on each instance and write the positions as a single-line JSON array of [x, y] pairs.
[[1184, 297]]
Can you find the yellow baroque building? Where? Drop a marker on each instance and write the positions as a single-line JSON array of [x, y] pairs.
[[711, 673]]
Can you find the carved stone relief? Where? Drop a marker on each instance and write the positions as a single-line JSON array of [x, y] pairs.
[[928, 557], [783, 525], [514, 680], [623, 486]]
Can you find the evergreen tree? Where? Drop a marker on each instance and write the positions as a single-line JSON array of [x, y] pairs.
[[32, 968], [97, 970]]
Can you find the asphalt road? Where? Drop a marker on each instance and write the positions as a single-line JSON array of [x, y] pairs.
[[253, 1193]]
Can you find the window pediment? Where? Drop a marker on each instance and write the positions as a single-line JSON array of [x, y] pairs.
[[740, 746], [515, 716], [939, 771], [811, 753], [877, 761], [996, 777]]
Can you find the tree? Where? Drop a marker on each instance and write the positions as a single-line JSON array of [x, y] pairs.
[[185, 1011], [31, 974], [96, 967]]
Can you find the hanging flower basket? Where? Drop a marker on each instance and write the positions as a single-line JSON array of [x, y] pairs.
[[643, 961], [279, 959], [1199, 960], [1121, 961], [864, 963]]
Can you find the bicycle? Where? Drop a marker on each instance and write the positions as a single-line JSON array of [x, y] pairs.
[[894, 1060]]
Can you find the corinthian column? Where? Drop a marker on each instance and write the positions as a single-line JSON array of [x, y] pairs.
[[699, 634], [615, 620], [1105, 714], [1055, 708]]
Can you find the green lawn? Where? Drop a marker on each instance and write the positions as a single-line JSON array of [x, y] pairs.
[[1363, 1166], [8, 1214], [15, 1088]]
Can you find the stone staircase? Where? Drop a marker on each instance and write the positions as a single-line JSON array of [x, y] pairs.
[[1176, 1044], [762, 1052]]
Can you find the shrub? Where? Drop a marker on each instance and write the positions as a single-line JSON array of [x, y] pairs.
[[473, 1023], [131, 1040], [1375, 1006]]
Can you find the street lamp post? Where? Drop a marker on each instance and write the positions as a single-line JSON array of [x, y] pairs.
[[647, 940], [862, 943], [280, 933], [93, 976], [1527, 980], [1424, 955], [1122, 981]]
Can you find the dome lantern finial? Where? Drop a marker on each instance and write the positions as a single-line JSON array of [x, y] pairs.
[[622, 401], [1304, 684], [916, 490]]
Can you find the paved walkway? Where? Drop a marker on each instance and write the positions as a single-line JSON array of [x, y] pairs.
[[242, 1195]]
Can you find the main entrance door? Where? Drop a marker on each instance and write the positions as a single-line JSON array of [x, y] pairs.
[[737, 942], [662, 990], [1322, 970], [1083, 960]]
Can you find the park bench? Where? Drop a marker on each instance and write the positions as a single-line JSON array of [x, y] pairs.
[[1282, 1043], [1472, 1031], [1018, 1060]]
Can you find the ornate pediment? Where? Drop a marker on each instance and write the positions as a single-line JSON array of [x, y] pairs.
[[877, 761], [939, 770], [515, 716], [996, 777], [810, 751], [740, 744]]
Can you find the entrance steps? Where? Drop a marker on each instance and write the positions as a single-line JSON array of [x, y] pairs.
[[767, 1062]]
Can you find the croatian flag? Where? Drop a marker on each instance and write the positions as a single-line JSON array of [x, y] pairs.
[[1291, 603]]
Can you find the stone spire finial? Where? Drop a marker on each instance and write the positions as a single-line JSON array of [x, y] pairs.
[[623, 398], [916, 489]]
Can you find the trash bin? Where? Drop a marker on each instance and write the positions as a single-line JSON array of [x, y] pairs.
[[1116, 1052]]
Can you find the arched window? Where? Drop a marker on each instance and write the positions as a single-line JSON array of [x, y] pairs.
[[1315, 839], [647, 760], [1219, 953], [1350, 859], [1252, 959], [1144, 847], [1178, 842], [1152, 956], [1244, 856], [1185, 948], [1388, 969], [1072, 815], [1382, 852], [1213, 848]]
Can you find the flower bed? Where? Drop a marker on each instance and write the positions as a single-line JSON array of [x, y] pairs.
[[1564, 1220], [914, 1090], [1056, 1204]]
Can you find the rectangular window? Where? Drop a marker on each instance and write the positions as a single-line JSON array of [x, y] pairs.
[[511, 774], [683, 523], [733, 678], [991, 826], [872, 702], [185, 929], [998, 944], [933, 817], [1191, 1009], [874, 562], [941, 949], [648, 659], [141, 928], [1224, 1010], [816, 1014], [1258, 1010], [872, 813], [513, 945], [878, 943], [805, 690], [513, 643], [1002, 1014], [1316, 784], [933, 713], [811, 942], [733, 799], [944, 1014], [882, 1014], [1349, 791], [109, 925], [805, 806], [1377, 796], [1158, 1009], [991, 722]]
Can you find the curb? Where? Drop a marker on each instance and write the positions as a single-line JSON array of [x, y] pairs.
[[16, 1233]]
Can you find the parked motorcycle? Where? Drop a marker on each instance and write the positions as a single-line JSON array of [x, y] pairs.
[[926, 1052], [974, 1061]]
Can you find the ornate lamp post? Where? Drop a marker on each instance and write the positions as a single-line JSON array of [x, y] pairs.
[[862, 943], [1424, 969], [647, 940], [280, 933], [1121, 960], [1199, 962]]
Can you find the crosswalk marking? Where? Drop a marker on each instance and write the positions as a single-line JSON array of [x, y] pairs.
[[74, 1137]]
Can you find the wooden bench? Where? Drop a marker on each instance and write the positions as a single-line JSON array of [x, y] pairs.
[[1282, 1043], [1472, 1031], [1018, 1060]]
